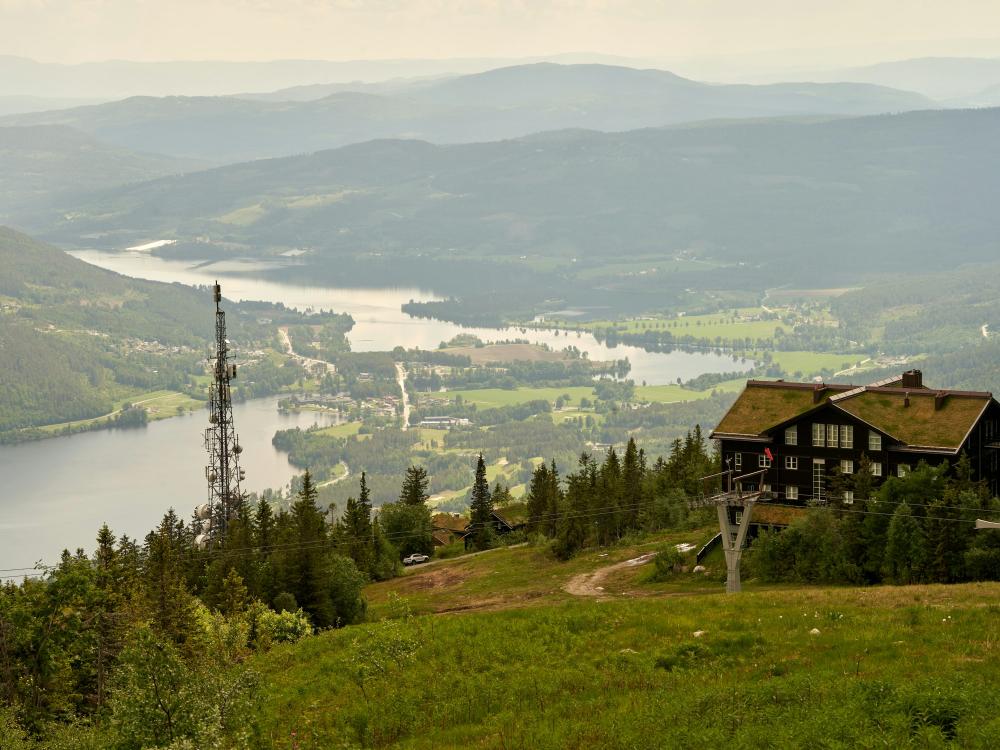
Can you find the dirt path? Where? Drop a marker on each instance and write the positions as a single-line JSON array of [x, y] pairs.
[[589, 584], [303, 360], [341, 478], [401, 380]]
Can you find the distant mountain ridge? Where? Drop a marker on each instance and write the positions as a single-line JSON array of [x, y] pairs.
[[946, 79], [498, 104]]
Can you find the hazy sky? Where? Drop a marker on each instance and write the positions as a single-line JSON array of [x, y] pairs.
[[84, 30]]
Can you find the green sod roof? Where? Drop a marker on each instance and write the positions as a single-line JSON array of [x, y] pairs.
[[764, 404], [919, 423]]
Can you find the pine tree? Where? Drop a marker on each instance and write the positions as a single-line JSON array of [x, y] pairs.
[[904, 546], [234, 594], [607, 501], [481, 510], [169, 602], [633, 476], [574, 525], [301, 559], [358, 534], [415, 483], [538, 501]]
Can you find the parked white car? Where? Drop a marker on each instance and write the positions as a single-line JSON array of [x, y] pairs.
[[415, 559]]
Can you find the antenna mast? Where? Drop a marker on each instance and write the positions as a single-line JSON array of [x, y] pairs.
[[223, 471]]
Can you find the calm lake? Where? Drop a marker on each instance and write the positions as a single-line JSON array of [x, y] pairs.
[[57, 492]]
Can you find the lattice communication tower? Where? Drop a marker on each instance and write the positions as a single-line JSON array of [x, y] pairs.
[[223, 471]]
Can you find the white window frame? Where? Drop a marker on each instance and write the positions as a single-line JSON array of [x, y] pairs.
[[791, 492], [738, 461], [846, 436], [847, 466], [819, 435], [819, 480], [874, 441], [902, 470], [763, 462], [876, 468], [792, 435], [849, 497], [792, 463], [832, 436]]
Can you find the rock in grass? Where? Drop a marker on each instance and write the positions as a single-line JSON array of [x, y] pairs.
[[814, 631]]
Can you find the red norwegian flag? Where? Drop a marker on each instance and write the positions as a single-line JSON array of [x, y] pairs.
[[767, 452]]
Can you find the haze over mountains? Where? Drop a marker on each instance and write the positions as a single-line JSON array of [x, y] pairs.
[[956, 81], [503, 103], [826, 200]]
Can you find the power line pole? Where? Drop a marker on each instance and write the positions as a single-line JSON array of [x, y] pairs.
[[223, 471]]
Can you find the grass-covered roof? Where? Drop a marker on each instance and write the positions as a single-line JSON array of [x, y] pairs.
[[939, 419], [920, 423], [765, 404]]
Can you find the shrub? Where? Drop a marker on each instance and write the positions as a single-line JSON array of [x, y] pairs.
[[666, 565], [268, 627]]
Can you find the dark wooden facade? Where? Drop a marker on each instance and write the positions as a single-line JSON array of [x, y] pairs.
[[812, 430]]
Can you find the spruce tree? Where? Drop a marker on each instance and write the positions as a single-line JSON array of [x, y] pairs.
[[904, 546], [481, 509], [415, 483], [356, 528], [538, 501]]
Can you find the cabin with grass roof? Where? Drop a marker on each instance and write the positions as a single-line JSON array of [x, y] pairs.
[[817, 431]]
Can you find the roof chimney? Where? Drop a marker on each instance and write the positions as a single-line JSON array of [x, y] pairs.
[[939, 400], [913, 379], [906, 400], [818, 390]]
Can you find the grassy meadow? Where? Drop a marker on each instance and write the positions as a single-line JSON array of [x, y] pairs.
[[499, 655]]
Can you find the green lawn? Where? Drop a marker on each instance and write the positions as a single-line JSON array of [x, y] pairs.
[[486, 398], [345, 429], [811, 363], [519, 663], [160, 404]]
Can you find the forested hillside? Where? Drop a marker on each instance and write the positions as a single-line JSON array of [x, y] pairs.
[[39, 163], [826, 202], [79, 341]]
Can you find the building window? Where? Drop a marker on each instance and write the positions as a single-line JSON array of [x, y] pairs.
[[763, 461], [847, 467], [738, 515], [876, 469], [902, 470], [849, 497], [791, 462], [766, 488], [874, 441], [738, 461], [819, 435], [819, 484], [847, 436], [791, 492], [791, 436], [831, 435]]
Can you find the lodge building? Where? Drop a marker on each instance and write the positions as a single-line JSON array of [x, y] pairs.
[[811, 430]]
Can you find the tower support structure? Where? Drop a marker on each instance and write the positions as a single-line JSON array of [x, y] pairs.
[[221, 442], [735, 508]]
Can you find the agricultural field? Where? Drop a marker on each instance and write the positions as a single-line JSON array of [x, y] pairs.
[[527, 648], [487, 398]]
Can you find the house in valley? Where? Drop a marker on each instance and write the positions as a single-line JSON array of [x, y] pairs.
[[805, 433]]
